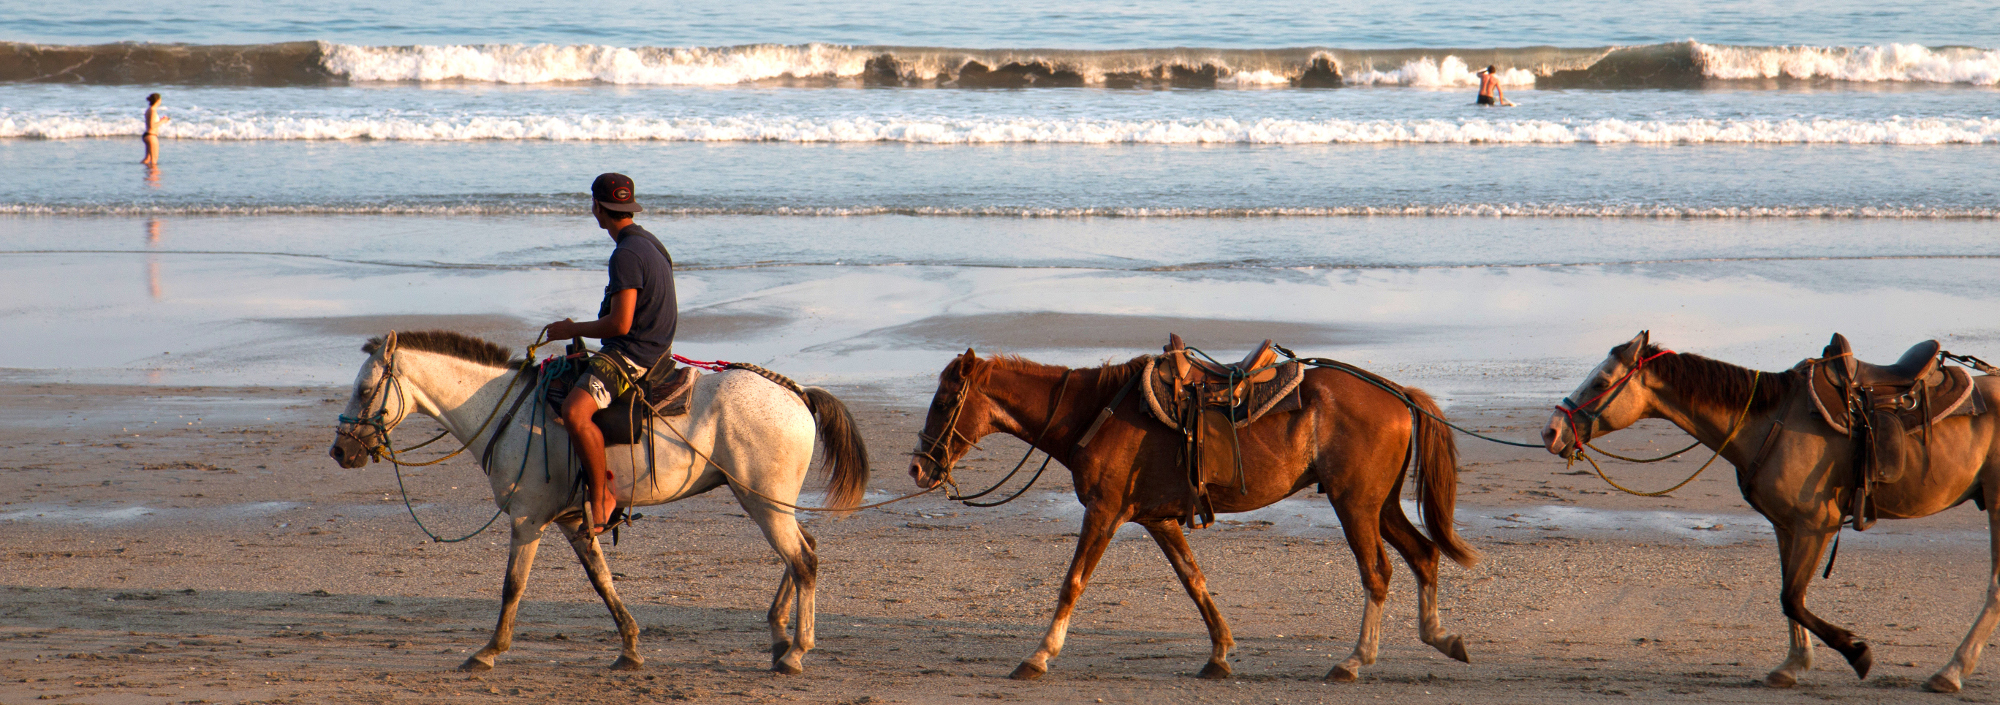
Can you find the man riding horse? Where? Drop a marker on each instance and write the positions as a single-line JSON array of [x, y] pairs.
[[636, 321]]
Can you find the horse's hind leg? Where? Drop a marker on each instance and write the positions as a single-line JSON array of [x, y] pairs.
[[781, 529], [782, 603], [1181, 556], [1799, 550], [1422, 555], [520, 558], [1365, 540], [592, 557], [1966, 658]]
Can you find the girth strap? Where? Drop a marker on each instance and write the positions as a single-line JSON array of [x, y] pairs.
[[486, 458]]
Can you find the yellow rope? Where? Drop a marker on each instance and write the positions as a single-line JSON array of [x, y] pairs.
[[1735, 429]]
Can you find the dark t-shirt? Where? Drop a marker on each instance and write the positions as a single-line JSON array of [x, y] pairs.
[[641, 262]]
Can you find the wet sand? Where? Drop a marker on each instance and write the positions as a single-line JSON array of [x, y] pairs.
[[177, 534], [219, 556]]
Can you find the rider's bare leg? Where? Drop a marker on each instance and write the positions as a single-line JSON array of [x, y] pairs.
[[588, 442]]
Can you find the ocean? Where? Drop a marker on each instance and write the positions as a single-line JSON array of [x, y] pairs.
[[855, 191]]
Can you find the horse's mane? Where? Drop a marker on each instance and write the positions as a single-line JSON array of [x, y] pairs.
[[452, 343], [1111, 376], [1717, 384]]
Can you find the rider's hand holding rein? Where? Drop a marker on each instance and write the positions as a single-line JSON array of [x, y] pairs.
[[616, 322]]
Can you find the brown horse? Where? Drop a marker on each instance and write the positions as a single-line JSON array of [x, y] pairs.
[[1795, 470], [1350, 437]]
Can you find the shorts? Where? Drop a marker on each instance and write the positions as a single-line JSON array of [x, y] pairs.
[[605, 382], [1487, 100]]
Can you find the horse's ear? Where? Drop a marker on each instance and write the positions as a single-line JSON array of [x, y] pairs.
[[1631, 351], [962, 365]]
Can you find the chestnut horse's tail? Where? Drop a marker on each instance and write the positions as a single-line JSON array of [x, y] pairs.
[[1437, 478]]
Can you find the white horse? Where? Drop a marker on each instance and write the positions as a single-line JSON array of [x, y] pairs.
[[741, 430]]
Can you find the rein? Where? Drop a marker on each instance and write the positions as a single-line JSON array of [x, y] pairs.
[[1570, 410], [937, 447], [1393, 391], [383, 448]]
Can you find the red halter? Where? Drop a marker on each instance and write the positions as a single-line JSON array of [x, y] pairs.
[[1570, 410]]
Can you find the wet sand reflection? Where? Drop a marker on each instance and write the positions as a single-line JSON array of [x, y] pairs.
[[152, 259]]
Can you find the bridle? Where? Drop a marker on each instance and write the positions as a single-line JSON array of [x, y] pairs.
[[377, 445], [936, 449], [1592, 410]]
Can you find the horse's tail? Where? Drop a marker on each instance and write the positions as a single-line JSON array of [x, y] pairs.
[[1437, 478], [846, 453]]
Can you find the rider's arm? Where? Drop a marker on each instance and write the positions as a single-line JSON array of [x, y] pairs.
[[616, 323]]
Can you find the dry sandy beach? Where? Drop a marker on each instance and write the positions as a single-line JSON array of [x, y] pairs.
[[196, 545]]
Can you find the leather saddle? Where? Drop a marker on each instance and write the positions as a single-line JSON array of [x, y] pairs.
[[1207, 402], [624, 421], [1887, 410], [662, 392]]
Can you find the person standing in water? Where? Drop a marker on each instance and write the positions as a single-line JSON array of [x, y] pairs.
[[1489, 88], [153, 122], [636, 321]]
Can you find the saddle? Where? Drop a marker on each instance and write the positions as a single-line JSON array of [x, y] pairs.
[[1881, 407], [1207, 402], [662, 392], [624, 422]]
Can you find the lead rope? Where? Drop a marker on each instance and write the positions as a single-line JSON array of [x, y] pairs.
[[1735, 428]]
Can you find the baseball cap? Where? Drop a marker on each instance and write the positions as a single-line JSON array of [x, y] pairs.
[[615, 193]]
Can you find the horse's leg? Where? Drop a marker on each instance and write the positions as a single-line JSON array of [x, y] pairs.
[[1966, 659], [1422, 555], [592, 557], [1800, 550], [1799, 659], [796, 548], [1172, 542], [1099, 525], [1361, 524], [780, 615], [520, 558]]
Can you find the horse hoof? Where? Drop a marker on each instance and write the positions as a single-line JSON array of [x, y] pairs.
[[476, 664], [1456, 650], [1214, 671], [787, 665], [628, 663], [1343, 674], [1862, 660], [1780, 679], [1941, 684], [1027, 672]]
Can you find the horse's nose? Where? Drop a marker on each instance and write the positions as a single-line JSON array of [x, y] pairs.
[[349, 454], [1552, 435], [920, 476]]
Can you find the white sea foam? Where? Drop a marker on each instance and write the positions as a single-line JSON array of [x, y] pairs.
[[190, 125], [1449, 72], [1891, 62], [716, 66], [1449, 210], [549, 63]]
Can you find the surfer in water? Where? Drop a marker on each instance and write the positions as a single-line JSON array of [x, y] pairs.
[[1489, 88]]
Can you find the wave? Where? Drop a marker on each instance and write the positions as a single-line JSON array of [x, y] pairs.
[[209, 126], [1672, 65], [565, 205]]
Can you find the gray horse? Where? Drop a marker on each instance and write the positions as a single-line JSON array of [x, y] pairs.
[[741, 430]]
